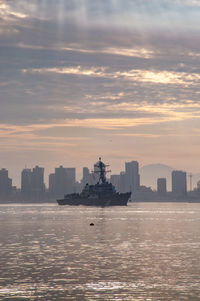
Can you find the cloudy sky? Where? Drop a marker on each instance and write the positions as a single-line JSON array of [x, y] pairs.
[[81, 79]]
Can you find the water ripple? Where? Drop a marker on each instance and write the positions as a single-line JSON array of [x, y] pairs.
[[140, 252]]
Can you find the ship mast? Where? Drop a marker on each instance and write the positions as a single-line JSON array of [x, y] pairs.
[[101, 171]]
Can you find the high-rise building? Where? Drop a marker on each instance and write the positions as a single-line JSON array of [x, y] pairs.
[[179, 183], [65, 179], [132, 176], [90, 178], [122, 182], [26, 182], [32, 183], [115, 180], [60, 181], [71, 179], [38, 186], [5, 183], [86, 176], [161, 186]]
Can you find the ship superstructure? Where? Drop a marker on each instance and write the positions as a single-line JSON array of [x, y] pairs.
[[101, 194]]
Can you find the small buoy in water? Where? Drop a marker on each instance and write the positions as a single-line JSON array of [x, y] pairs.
[[91, 224]]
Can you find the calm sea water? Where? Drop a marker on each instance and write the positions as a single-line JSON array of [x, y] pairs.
[[139, 252]]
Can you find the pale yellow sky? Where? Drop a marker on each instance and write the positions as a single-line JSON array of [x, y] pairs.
[[116, 79]]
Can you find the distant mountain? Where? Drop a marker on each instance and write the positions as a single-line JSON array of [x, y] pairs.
[[150, 173]]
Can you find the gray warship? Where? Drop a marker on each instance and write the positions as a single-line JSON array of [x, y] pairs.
[[102, 194]]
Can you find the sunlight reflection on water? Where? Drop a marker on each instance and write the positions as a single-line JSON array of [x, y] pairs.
[[138, 252]]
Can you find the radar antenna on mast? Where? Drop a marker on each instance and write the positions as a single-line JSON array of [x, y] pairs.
[[101, 170]]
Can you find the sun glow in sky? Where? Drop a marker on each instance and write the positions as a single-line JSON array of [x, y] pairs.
[[82, 79]]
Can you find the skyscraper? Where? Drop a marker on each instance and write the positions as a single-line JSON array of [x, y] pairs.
[[132, 176], [37, 184], [90, 178], [70, 179], [32, 183], [115, 180], [5, 183], [86, 175], [60, 181], [65, 179], [26, 182], [179, 183], [122, 182], [161, 186]]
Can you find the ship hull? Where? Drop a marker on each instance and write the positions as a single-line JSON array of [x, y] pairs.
[[103, 201]]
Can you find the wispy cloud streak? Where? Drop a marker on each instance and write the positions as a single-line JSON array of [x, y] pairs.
[[157, 77]]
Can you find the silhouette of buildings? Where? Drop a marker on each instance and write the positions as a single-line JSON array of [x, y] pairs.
[[86, 176], [115, 180], [179, 183], [71, 179], [38, 187], [89, 177], [5, 183], [132, 177], [128, 180], [26, 182], [122, 182], [62, 181], [162, 186], [32, 183]]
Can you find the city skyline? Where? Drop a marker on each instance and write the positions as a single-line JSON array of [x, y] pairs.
[[132, 169], [15, 174], [64, 182], [116, 79]]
